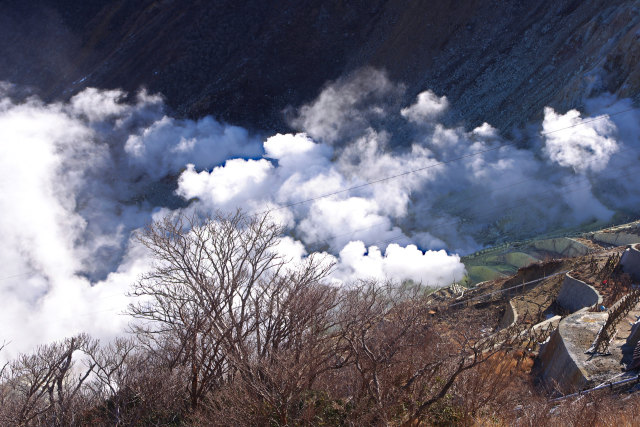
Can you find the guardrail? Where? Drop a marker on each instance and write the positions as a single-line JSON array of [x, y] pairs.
[[616, 313], [600, 387], [521, 285]]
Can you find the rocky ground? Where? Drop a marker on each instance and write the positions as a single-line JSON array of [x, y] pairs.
[[535, 302], [499, 62]]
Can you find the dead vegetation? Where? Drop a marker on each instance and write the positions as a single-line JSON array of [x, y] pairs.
[[229, 333]]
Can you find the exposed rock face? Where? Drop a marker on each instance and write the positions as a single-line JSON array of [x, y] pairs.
[[244, 62]]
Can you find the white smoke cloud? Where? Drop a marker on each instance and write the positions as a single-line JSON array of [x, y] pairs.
[[97, 105], [571, 142], [428, 107], [337, 222], [303, 170], [431, 268], [41, 291], [621, 192], [476, 188], [346, 105], [72, 194], [79, 177], [238, 183], [170, 144]]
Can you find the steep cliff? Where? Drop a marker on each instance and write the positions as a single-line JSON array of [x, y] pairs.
[[497, 61]]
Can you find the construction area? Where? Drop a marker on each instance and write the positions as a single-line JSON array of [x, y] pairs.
[[577, 310]]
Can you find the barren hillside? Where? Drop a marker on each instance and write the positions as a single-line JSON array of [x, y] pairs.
[[500, 62]]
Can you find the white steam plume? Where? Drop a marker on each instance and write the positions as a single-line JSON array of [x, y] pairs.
[[428, 107], [581, 147], [73, 192], [348, 105], [79, 177]]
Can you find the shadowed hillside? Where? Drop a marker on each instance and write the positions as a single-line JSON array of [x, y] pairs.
[[246, 63]]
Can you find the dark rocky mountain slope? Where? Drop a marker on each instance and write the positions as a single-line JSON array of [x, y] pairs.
[[245, 62]]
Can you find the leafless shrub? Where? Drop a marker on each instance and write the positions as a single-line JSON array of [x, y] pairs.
[[131, 386], [222, 303], [46, 387], [228, 332]]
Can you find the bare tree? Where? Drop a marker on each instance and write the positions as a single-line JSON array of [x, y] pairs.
[[111, 376], [44, 387], [132, 387], [293, 344], [383, 334], [220, 298], [228, 332], [398, 361]]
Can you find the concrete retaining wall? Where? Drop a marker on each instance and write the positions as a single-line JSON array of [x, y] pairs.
[[576, 294], [558, 366], [631, 261], [563, 246], [634, 335], [616, 239], [563, 362]]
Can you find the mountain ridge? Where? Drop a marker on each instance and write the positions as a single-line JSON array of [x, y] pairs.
[[246, 64]]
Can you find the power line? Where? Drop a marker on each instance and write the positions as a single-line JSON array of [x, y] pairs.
[[326, 240], [503, 207], [389, 240], [384, 179], [604, 116], [433, 165], [605, 385], [522, 285], [476, 297], [14, 276], [499, 291], [459, 220]]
